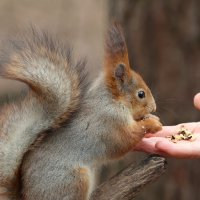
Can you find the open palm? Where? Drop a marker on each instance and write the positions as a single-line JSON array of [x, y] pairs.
[[159, 143]]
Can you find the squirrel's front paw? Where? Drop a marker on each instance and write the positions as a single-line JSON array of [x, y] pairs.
[[151, 124], [151, 116]]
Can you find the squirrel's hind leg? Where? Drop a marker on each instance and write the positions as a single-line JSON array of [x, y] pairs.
[[74, 185], [79, 187]]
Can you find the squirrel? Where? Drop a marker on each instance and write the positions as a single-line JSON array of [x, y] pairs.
[[52, 139]]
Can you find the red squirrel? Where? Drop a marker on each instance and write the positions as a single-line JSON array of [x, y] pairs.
[[79, 126]]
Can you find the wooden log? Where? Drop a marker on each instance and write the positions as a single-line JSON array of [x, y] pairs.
[[130, 181]]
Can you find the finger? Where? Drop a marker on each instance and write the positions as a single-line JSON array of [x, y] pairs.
[[166, 131], [197, 101], [148, 145], [181, 149], [170, 130]]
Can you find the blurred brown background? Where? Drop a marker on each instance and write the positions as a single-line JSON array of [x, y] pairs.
[[164, 45]]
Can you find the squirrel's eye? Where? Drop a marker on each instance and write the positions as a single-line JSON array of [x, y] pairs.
[[141, 94]]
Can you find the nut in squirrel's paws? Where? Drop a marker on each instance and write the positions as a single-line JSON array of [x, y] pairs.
[[151, 124]]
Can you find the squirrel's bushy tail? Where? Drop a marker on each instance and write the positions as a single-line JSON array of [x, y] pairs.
[[56, 90]]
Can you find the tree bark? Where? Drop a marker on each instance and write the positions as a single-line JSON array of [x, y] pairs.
[[129, 182]]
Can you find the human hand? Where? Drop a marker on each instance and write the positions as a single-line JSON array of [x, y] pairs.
[[159, 143]]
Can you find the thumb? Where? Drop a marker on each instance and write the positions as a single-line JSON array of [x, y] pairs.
[[197, 101]]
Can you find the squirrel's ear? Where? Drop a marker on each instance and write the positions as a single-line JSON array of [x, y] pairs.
[[120, 72], [116, 60]]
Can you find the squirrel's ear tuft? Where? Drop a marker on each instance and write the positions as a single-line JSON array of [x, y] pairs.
[[115, 41], [115, 47]]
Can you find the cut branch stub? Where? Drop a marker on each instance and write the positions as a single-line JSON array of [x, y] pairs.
[[130, 181]]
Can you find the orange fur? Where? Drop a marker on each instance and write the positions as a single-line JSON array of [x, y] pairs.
[[110, 64], [128, 137], [82, 182]]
